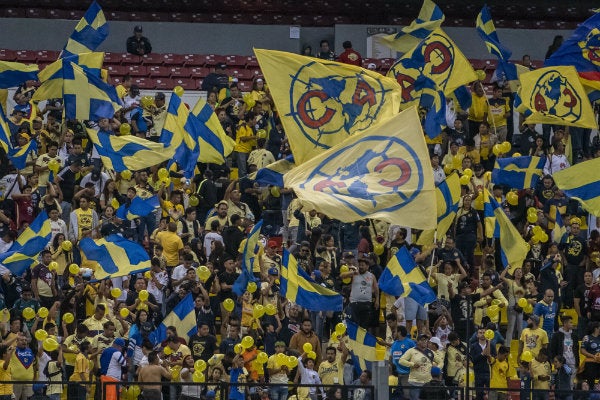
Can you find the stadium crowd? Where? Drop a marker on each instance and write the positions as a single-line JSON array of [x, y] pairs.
[[513, 322]]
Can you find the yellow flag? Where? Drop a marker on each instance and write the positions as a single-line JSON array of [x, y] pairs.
[[382, 173], [321, 102], [439, 59], [554, 95]]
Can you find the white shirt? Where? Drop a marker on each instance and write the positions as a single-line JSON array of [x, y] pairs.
[[4, 247], [555, 163], [58, 226], [10, 186], [439, 175], [208, 239], [114, 367], [163, 278], [98, 185], [178, 274]]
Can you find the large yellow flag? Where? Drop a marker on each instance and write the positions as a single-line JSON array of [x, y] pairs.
[[439, 59], [554, 95], [381, 173], [321, 102]]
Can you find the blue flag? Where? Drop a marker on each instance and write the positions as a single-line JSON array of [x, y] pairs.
[[183, 317], [251, 249], [518, 172], [115, 256], [362, 346], [89, 33], [138, 208]]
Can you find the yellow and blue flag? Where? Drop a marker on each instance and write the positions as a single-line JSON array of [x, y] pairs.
[[138, 208], [491, 227], [361, 345], [581, 183], [581, 51], [251, 248], [381, 173], [128, 152], [13, 74], [403, 277], [4, 132], [273, 173], [85, 95], [518, 172], [432, 106], [554, 95], [183, 317], [30, 243], [91, 61], [18, 155], [90, 32], [115, 256], [298, 286], [430, 18], [559, 229], [436, 57], [321, 102], [513, 249], [213, 142], [447, 194]]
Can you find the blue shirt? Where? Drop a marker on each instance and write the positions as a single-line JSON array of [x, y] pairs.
[[236, 392], [399, 347], [548, 312]]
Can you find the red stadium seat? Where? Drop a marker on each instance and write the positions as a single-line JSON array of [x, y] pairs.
[[47, 56], [26, 55], [152, 59], [213, 59], [127, 59], [144, 83], [137, 70], [199, 72], [236, 61], [14, 13], [116, 70], [36, 13], [245, 86], [179, 72], [163, 84], [367, 61], [116, 80], [180, 17], [186, 83], [59, 14], [477, 64], [243, 74], [112, 58], [386, 63], [252, 62], [491, 64], [8, 55], [194, 60], [173, 59], [157, 71]]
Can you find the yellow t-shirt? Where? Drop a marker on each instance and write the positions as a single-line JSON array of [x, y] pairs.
[[479, 106], [6, 389], [331, 373], [121, 91], [175, 211], [177, 356], [171, 244], [244, 147], [538, 369], [498, 110], [222, 221], [72, 343], [533, 340], [498, 377], [22, 369], [43, 161], [82, 366]]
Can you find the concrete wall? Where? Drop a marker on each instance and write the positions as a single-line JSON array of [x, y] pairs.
[[40, 34]]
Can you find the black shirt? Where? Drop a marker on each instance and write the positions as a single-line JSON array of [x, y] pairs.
[[202, 347]]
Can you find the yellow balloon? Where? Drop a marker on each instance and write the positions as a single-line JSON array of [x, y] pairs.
[[275, 191], [492, 311], [312, 355], [114, 203], [258, 311], [505, 147], [68, 318], [163, 173], [53, 266], [535, 239], [340, 329], [448, 169], [5, 316], [489, 334], [537, 230], [28, 313], [532, 218], [124, 313], [247, 342], [261, 134], [378, 249], [148, 275], [292, 362], [249, 101], [53, 165], [516, 154], [147, 101], [522, 302], [198, 376], [457, 161], [281, 359], [228, 305], [478, 202], [346, 281], [487, 176], [194, 201], [143, 296], [544, 237], [464, 180], [251, 287], [203, 272], [67, 246], [43, 312], [307, 347], [41, 334], [178, 90], [116, 292], [262, 357], [344, 268], [74, 269], [125, 129], [480, 74], [468, 172], [50, 344], [126, 174], [238, 348], [200, 365], [512, 198], [497, 149], [526, 356], [167, 350], [270, 309]]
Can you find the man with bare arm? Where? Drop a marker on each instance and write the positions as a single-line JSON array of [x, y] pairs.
[[153, 372]]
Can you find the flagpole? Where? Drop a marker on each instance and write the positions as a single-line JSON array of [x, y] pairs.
[[432, 255]]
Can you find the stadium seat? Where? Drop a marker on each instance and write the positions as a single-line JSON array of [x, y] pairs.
[[26, 56], [243, 74], [194, 60], [116, 70], [128, 59], [59, 14], [236, 61], [173, 59], [179, 72], [491, 64], [152, 59], [477, 64], [157, 71], [36, 13], [14, 12], [47, 56], [144, 83], [367, 61], [116, 80], [245, 86], [386, 64], [186, 83], [212, 60], [137, 70], [164, 84], [199, 72], [112, 58], [180, 17], [252, 62], [8, 55]]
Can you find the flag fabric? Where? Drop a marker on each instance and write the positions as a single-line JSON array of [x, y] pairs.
[[559, 229], [321, 102], [273, 173], [299, 287], [115, 256], [382, 173], [513, 249], [4, 132], [85, 95], [403, 277], [580, 182], [251, 248], [463, 96], [138, 208], [436, 57], [214, 144], [430, 18], [128, 152], [554, 95], [183, 317], [447, 194], [13, 74], [518, 172], [491, 227], [91, 61], [30, 243], [89, 33], [581, 51], [432, 106], [18, 155], [361, 345]]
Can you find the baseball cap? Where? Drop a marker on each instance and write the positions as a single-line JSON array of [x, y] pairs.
[[436, 340], [138, 28], [436, 371], [119, 342], [348, 254], [535, 319]]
